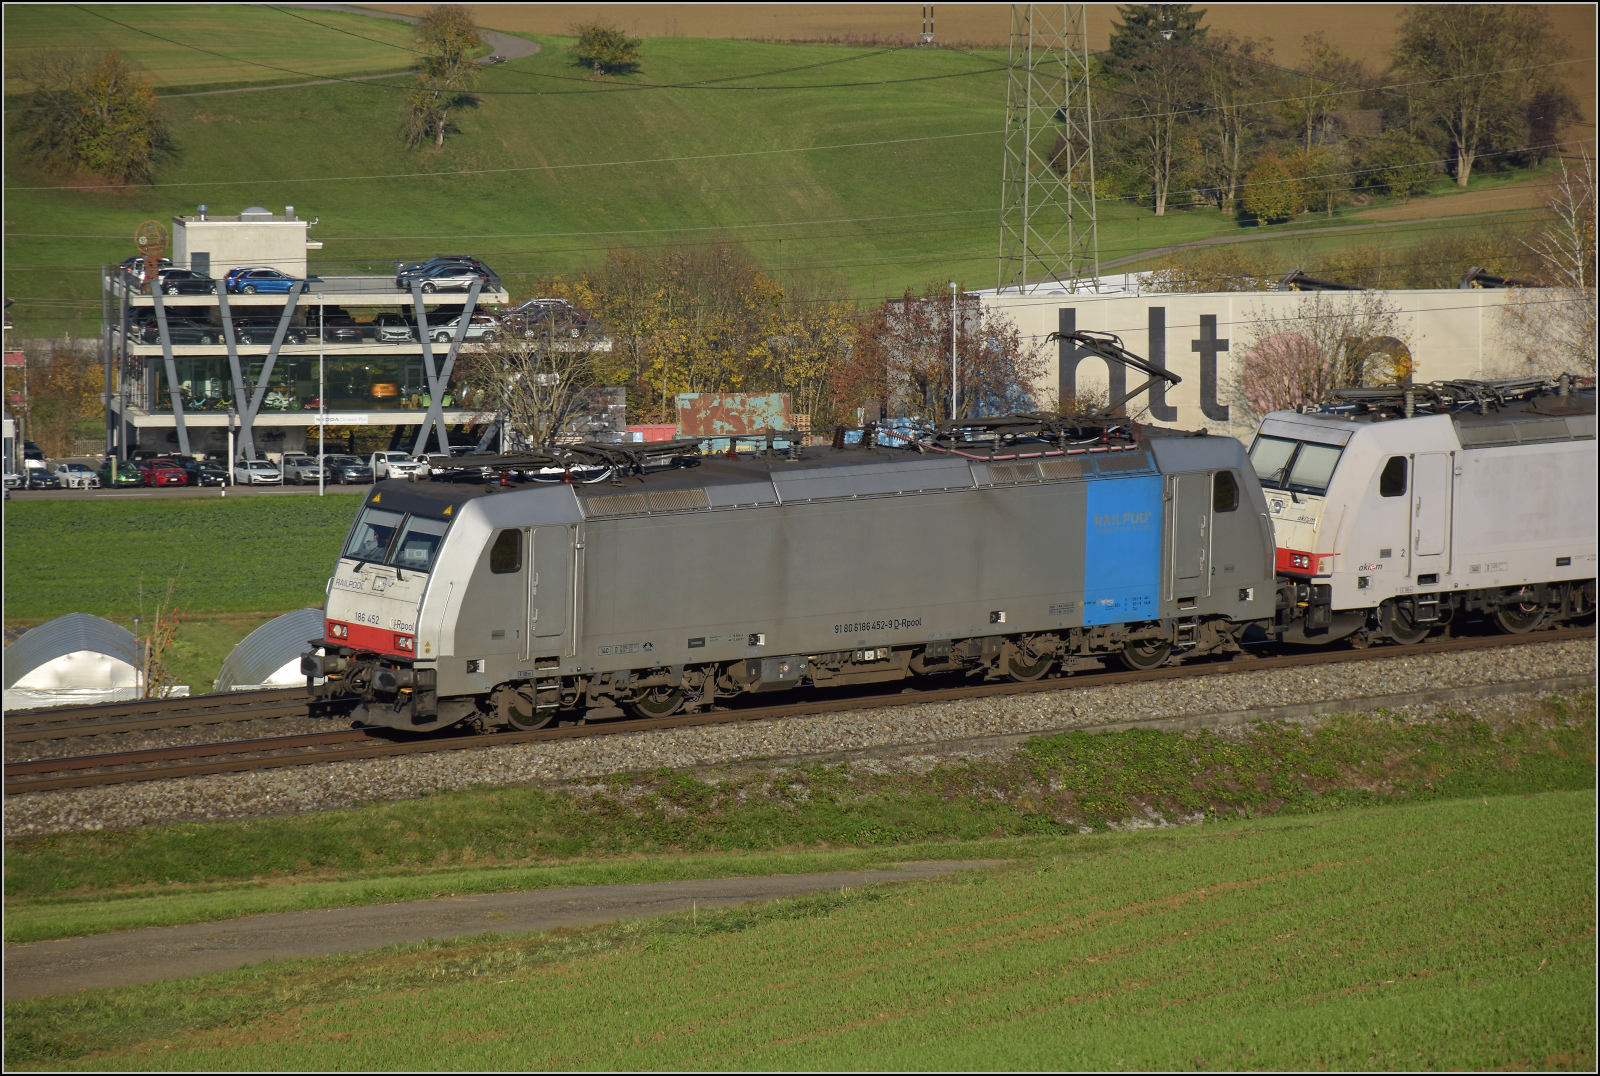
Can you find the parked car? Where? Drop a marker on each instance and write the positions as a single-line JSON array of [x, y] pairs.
[[37, 475], [300, 467], [134, 266], [484, 327], [396, 465], [31, 451], [347, 469], [74, 475], [185, 282], [451, 276], [202, 472], [233, 274], [264, 281], [114, 472], [418, 270], [394, 329], [538, 317], [257, 473], [338, 327], [163, 472], [179, 331], [265, 330]]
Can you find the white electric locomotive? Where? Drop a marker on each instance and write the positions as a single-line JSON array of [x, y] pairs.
[[1401, 509]]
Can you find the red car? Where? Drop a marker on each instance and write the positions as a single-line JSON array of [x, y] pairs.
[[163, 473]]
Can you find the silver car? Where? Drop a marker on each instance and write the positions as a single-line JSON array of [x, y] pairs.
[[257, 473], [75, 475], [482, 327], [298, 467]]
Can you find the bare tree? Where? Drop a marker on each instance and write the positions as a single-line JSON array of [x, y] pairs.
[[446, 37], [1475, 65], [1554, 328], [1234, 78], [1329, 339], [535, 380]]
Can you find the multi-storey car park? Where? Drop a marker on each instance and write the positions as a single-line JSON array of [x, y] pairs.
[[181, 369]]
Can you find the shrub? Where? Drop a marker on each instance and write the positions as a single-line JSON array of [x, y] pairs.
[[605, 47]]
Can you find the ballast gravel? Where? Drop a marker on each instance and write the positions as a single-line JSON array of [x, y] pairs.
[[334, 785]]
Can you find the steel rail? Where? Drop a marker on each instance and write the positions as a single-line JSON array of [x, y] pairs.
[[77, 715], [301, 707], [333, 752]]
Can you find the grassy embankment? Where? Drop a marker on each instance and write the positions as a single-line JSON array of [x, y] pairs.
[[741, 822], [556, 167], [1447, 935], [243, 561]]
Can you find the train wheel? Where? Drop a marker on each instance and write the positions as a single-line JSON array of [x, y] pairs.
[[658, 702], [1146, 654], [1520, 610], [1020, 671], [1395, 619], [518, 710]]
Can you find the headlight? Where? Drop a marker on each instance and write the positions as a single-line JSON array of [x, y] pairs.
[[338, 631], [405, 642]]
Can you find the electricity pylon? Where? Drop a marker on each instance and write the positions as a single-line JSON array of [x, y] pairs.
[[1047, 218]]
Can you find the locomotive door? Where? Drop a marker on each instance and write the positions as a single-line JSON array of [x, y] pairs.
[[1189, 535], [549, 587], [1430, 508]]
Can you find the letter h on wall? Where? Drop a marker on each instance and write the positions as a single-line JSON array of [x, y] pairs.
[[1072, 355]]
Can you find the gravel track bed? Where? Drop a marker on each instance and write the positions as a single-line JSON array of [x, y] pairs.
[[172, 737], [347, 784]]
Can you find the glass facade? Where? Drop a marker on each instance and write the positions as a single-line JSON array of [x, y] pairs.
[[355, 383]]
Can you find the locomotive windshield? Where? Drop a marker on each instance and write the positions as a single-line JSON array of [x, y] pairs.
[[1298, 466], [384, 537], [372, 535], [419, 542]]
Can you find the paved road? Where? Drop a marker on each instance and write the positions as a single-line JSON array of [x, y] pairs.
[[143, 956], [139, 492], [505, 46]]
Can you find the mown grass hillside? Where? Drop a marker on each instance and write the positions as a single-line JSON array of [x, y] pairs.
[[876, 169]]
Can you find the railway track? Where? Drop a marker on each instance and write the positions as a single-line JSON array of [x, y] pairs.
[[193, 760], [58, 723]]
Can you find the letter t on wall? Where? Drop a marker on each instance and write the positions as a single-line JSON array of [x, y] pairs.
[[1209, 347]]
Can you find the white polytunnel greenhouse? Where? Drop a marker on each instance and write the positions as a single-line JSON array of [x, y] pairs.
[[73, 660], [270, 656]]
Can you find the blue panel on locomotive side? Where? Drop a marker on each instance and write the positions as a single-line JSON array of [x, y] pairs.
[[1122, 550]]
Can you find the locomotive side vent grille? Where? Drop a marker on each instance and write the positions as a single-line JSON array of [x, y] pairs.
[[678, 500], [638, 504], [1134, 461], [1003, 473], [1069, 468]]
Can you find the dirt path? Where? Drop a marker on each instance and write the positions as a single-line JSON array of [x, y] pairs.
[[143, 956], [506, 47]]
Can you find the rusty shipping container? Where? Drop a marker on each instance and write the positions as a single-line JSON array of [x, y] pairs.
[[728, 414]]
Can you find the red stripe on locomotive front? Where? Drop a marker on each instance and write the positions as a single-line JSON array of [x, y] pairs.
[[366, 637]]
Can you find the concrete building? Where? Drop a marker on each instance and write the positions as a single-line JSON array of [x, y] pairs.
[[255, 237]]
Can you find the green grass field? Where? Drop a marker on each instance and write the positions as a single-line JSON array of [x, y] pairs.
[[1456, 934], [639, 828], [247, 45], [236, 555], [875, 170]]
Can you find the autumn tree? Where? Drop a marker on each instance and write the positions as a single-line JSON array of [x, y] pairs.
[[95, 114], [536, 381], [1234, 80], [446, 37], [604, 47], [1554, 328], [1328, 82], [1475, 67], [1300, 355], [1272, 190]]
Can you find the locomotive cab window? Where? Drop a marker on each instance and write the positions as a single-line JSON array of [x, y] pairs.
[[373, 533], [505, 556], [1392, 482], [1297, 466], [1224, 492], [418, 543]]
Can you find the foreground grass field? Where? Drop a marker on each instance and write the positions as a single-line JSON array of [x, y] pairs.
[[673, 825], [1455, 934]]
